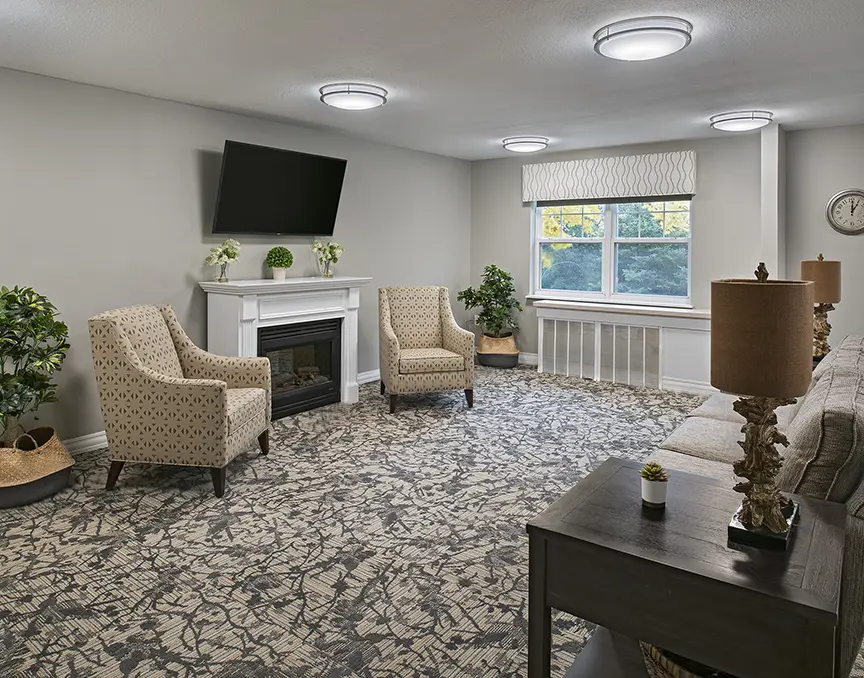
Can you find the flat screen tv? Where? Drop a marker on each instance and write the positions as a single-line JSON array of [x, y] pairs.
[[273, 191]]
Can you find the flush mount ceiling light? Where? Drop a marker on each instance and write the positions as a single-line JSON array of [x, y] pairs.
[[353, 96], [641, 39], [525, 144], [741, 121]]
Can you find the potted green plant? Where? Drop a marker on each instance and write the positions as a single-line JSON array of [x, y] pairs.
[[32, 348], [655, 481], [279, 259], [222, 255], [496, 296]]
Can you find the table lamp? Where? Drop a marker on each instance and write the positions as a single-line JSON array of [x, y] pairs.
[[761, 336], [826, 276]]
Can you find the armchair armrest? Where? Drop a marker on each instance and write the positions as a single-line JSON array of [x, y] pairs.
[[455, 338], [388, 343]]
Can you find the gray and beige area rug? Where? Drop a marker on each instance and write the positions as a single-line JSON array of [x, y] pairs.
[[365, 545]]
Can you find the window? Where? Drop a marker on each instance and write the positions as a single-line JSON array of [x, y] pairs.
[[626, 252]]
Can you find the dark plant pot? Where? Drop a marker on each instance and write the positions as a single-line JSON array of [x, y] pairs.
[[498, 359], [18, 495]]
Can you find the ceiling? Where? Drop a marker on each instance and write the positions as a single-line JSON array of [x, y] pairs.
[[462, 74]]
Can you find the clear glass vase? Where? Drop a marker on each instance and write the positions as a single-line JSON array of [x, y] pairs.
[[325, 269], [223, 273]]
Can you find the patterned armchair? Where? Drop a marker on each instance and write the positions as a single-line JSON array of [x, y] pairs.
[[421, 347], [165, 401]]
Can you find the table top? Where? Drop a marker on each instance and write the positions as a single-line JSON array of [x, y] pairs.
[[604, 509]]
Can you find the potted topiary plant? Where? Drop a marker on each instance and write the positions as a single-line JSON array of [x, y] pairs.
[[279, 259], [32, 348], [655, 481], [496, 296]]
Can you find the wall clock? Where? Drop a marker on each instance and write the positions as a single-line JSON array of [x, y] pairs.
[[845, 212]]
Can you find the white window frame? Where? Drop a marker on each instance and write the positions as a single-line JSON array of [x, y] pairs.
[[609, 241]]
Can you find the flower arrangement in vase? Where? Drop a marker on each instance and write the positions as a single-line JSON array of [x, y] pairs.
[[279, 259], [655, 481], [222, 255], [328, 253]]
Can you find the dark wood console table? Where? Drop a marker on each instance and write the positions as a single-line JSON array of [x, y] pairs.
[[670, 578]]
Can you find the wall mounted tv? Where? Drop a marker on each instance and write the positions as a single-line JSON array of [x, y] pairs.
[[273, 191]]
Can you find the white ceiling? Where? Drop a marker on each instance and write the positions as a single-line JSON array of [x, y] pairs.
[[462, 73]]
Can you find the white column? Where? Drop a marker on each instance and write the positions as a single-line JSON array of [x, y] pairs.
[[249, 327], [773, 223], [350, 388]]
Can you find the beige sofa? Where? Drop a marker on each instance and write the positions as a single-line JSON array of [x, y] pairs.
[[825, 459]]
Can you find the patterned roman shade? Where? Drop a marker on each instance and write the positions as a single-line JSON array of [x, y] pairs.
[[628, 176]]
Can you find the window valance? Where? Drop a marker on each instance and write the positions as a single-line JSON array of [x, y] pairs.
[[627, 176]]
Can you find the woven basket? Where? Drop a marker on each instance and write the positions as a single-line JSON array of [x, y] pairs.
[[34, 455], [497, 345], [660, 664]]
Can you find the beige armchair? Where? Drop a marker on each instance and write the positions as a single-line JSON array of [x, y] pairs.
[[165, 401], [421, 347]]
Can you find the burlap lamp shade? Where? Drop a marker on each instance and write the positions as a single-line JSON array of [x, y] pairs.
[[762, 337], [826, 276]]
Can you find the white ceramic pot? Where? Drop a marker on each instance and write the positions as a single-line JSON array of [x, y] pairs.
[[279, 273], [654, 493]]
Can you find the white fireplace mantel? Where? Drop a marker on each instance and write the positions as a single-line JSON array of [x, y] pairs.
[[236, 309]]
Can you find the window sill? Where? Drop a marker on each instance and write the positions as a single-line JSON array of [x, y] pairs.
[[613, 307]]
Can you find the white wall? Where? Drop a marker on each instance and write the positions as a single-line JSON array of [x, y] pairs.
[[107, 200], [820, 163], [726, 214]]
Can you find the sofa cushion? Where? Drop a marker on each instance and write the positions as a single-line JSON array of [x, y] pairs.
[[242, 404], [825, 457], [719, 406], [705, 438], [674, 461], [421, 360]]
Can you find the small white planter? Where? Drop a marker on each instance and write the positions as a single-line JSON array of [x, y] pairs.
[[279, 273], [654, 493]]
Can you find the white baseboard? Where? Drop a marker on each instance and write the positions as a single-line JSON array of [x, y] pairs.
[[368, 377], [92, 441], [527, 358], [687, 386]]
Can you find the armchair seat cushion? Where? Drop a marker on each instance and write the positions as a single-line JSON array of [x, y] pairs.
[[243, 404], [422, 360]]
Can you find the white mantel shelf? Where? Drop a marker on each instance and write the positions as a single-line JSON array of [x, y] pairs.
[[244, 287], [237, 309]]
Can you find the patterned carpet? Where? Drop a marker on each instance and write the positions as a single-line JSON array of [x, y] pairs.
[[366, 544]]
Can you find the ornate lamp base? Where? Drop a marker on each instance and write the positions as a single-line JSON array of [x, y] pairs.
[[762, 537], [821, 330]]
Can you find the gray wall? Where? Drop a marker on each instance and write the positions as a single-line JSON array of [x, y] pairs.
[[820, 163], [726, 214], [107, 199]]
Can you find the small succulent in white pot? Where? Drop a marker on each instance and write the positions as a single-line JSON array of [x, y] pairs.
[[279, 259], [222, 255], [655, 482]]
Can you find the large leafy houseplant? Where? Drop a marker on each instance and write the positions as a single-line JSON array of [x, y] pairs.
[[32, 348], [496, 296]]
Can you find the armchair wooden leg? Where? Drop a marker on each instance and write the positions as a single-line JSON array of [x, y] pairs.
[[264, 443], [393, 399], [218, 475], [382, 387], [113, 472], [469, 396]]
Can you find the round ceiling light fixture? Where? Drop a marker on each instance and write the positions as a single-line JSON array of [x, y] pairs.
[[644, 38], [741, 121], [353, 96], [525, 144]]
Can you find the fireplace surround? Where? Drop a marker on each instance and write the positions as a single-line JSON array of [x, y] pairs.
[[306, 326]]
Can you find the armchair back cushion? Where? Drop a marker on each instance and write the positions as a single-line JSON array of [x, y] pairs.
[[147, 331], [415, 316]]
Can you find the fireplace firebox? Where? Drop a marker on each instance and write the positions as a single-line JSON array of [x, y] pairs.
[[305, 364]]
